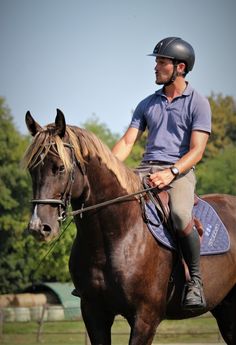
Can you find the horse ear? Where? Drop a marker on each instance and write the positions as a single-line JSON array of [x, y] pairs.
[[60, 123], [32, 125]]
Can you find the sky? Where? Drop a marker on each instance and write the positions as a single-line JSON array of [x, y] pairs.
[[89, 57]]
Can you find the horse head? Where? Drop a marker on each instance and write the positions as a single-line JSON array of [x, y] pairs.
[[57, 174]]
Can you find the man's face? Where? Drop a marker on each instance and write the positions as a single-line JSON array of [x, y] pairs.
[[163, 70]]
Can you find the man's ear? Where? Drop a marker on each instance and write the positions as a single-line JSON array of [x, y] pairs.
[[181, 68]]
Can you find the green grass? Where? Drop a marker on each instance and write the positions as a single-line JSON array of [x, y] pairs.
[[196, 330]]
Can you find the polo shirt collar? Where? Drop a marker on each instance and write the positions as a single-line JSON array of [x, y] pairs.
[[186, 92]]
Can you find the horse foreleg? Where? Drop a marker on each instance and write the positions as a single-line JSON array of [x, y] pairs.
[[98, 323], [143, 327]]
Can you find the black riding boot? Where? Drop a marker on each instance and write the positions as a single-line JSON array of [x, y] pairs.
[[193, 297]]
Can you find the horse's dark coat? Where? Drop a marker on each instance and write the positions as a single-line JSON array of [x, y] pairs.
[[116, 264]]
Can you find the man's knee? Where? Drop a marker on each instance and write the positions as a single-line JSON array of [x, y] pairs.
[[181, 219]]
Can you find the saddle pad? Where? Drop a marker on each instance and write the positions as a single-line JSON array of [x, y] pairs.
[[215, 238]]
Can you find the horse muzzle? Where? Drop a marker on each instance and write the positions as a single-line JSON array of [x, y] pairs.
[[42, 231], [39, 230]]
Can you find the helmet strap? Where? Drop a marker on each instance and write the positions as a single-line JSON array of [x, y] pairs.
[[175, 74]]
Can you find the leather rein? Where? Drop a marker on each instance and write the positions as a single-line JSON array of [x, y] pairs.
[[64, 202]]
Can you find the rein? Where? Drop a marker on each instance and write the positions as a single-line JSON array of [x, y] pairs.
[[63, 203], [93, 207], [65, 200], [80, 211], [108, 202]]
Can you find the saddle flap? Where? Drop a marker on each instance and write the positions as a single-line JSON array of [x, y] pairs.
[[160, 198], [215, 238]]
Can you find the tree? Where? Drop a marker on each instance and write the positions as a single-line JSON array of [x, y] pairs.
[[101, 131], [20, 254], [218, 175], [223, 124], [14, 189], [216, 172]]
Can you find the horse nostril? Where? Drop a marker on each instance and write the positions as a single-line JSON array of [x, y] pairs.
[[46, 229]]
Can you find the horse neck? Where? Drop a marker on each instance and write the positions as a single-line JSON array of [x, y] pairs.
[[103, 186], [103, 183], [104, 234]]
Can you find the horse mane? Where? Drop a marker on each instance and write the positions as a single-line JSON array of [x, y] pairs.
[[86, 145]]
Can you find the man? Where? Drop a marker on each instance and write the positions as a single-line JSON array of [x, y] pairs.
[[178, 120]]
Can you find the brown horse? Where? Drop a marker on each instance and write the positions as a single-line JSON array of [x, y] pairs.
[[116, 265]]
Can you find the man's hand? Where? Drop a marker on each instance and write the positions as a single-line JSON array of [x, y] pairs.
[[161, 178]]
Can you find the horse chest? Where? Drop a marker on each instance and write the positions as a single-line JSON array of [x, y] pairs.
[[97, 279]]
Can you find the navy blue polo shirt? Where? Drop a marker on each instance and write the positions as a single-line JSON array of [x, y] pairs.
[[170, 124]]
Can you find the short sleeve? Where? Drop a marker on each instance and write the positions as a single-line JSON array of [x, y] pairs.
[[138, 119], [202, 115]]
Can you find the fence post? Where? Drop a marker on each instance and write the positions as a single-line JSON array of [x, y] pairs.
[[39, 333], [1, 324]]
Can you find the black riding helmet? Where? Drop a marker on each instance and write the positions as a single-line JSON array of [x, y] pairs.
[[176, 49]]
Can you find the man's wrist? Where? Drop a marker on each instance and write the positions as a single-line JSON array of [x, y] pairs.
[[175, 171]]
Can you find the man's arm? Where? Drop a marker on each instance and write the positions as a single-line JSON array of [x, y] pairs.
[[124, 146], [192, 157]]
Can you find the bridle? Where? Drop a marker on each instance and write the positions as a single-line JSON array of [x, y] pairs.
[[64, 202], [62, 206]]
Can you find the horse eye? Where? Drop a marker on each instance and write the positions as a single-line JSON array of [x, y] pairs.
[[61, 169], [58, 169]]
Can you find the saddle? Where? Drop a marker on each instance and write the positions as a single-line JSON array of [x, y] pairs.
[[160, 198], [156, 214]]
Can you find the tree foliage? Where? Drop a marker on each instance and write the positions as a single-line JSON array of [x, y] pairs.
[[101, 130], [14, 191], [223, 124], [218, 175], [21, 255]]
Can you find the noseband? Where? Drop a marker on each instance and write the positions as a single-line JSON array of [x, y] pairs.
[[64, 202], [62, 206]]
